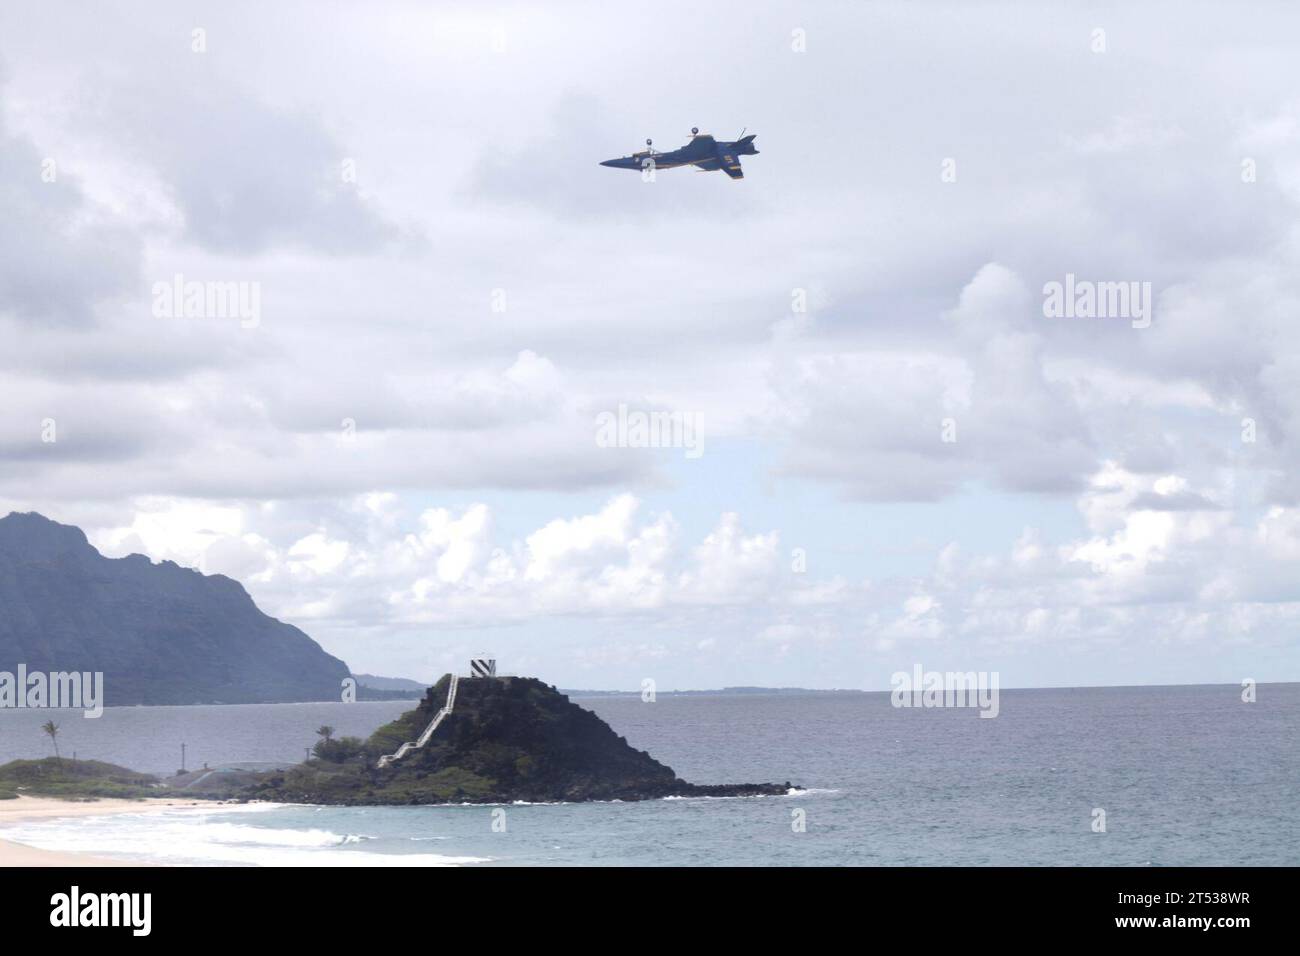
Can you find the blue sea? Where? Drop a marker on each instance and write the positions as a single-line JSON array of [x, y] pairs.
[[1185, 776]]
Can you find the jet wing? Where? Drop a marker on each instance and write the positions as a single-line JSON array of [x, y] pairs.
[[731, 166], [701, 146]]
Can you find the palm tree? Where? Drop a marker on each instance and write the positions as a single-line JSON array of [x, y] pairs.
[[51, 728], [326, 731]]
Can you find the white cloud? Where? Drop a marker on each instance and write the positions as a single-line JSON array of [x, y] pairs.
[[226, 447]]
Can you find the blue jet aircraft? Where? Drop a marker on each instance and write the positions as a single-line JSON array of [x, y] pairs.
[[703, 151]]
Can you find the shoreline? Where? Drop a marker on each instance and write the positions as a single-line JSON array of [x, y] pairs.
[[24, 809]]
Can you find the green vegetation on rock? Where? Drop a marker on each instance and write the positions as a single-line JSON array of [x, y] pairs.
[[55, 777], [508, 738]]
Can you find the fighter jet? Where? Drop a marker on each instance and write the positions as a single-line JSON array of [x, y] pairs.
[[703, 152]]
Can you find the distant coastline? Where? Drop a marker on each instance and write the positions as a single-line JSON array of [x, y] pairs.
[[769, 691], [719, 692]]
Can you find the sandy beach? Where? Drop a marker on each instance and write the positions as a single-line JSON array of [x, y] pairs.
[[26, 808]]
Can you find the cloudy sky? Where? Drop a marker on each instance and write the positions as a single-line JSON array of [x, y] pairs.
[[903, 459]]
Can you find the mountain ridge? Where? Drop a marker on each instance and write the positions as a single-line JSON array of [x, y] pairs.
[[161, 633]]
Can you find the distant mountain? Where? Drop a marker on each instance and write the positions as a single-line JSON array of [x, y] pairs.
[[161, 634], [390, 683], [370, 687]]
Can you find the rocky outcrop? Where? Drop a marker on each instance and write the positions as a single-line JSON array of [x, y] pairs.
[[507, 739]]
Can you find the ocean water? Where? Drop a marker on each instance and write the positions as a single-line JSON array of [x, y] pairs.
[[1185, 775]]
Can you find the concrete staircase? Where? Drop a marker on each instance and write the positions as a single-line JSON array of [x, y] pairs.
[[423, 739]]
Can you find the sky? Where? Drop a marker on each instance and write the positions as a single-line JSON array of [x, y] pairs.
[[890, 449]]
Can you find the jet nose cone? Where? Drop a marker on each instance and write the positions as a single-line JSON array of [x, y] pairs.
[[609, 162]]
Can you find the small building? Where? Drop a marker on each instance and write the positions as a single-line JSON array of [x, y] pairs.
[[483, 667]]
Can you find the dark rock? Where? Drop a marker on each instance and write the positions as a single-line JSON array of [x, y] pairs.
[[508, 739]]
